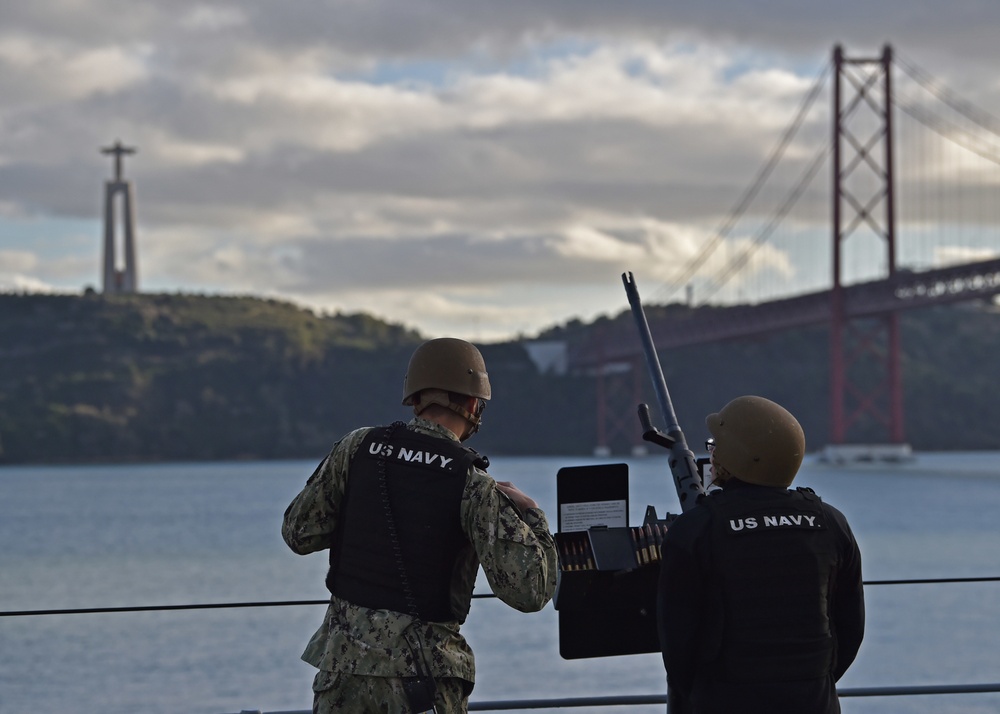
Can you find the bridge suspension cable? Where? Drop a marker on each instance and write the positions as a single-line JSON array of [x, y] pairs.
[[677, 282], [738, 262], [949, 128], [973, 113]]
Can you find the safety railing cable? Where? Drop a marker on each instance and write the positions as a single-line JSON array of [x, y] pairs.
[[294, 603], [573, 702], [633, 700]]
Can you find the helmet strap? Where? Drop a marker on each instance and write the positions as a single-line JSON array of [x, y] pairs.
[[475, 420], [719, 474], [427, 397]]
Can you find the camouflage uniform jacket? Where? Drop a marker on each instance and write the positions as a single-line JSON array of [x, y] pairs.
[[516, 551]]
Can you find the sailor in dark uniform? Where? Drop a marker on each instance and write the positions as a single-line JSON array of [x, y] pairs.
[[761, 608]]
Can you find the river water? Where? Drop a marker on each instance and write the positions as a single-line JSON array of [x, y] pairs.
[[175, 534]]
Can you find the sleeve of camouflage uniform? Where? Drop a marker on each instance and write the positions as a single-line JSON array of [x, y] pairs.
[[311, 517], [517, 552]]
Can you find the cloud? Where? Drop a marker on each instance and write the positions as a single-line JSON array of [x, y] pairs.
[[212, 19], [17, 261], [15, 269], [945, 256], [37, 70], [478, 162], [17, 283]]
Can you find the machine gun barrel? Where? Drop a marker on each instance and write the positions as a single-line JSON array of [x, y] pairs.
[[682, 463]]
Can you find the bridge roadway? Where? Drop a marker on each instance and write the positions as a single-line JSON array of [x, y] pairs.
[[619, 342]]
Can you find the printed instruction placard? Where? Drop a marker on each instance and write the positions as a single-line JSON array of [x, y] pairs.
[[581, 516], [594, 495]]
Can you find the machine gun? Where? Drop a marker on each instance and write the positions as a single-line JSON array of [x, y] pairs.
[[687, 476], [609, 570], [687, 479]]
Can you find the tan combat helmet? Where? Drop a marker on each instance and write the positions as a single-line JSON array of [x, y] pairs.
[[447, 365], [757, 441]]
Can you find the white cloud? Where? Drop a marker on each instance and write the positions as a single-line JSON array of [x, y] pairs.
[[588, 243], [212, 18], [39, 69], [18, 283], [945, 256], [172, 150], [17, 261], [509, 155]]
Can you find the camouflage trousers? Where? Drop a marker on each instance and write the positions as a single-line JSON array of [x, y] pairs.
[[338, 692]]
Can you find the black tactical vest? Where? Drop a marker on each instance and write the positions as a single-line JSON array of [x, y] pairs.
[[773, 560], [424, 480]]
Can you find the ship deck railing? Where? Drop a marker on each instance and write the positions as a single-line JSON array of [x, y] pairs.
[[650, 699], [562, 702]]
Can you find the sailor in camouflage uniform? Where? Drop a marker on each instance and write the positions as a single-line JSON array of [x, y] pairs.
[[409, 515]]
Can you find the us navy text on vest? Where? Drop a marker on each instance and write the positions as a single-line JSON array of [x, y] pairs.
[[783, 521], [411, 456]]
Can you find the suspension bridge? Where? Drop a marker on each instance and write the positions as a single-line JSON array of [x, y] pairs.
[[910, 217]]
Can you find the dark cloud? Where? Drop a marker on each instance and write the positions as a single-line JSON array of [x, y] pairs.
[[387, 143], [452, 260], [445, 28]]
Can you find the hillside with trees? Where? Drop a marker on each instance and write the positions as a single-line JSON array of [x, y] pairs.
[[97, 378]]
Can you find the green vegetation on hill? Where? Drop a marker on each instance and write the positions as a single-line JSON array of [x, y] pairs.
[[182, 376], [187, 377]]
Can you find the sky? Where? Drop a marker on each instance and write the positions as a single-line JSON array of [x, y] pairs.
[[478, 169]]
